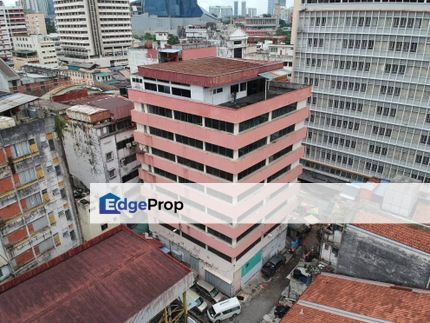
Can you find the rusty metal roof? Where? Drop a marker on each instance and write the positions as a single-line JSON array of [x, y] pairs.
[[107, 279]]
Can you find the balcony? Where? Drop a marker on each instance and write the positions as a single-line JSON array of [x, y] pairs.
[[274, 89]]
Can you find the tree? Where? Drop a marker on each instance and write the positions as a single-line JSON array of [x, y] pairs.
[[173, 40], [148, 36], [282, 23]]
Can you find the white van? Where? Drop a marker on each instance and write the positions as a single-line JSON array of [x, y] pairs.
[[208, 291], [196, 301], [224, 310]]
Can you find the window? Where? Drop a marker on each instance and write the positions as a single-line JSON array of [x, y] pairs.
[[282, 133], [234, 88], [251, 169], [163, 154], [109, 156], [188, 117], [190, 163], [218, 90], [163, 89], [20, 149], [159, 111], [189, 141], [253, 122], [161, 133], [284, 110], [219, 173], [150, 86], [103, 227], [219, 150], [251, 147], [111, 173], [219, 125], [181, 92]]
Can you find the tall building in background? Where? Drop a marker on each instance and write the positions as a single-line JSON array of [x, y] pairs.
[[35, 23], [236, 8], [252, 12], [37, 221], [12, 23], [370, 109], [271, 4], [221, 11], [170, 8], [101, 34], [243, 5], [210, 120]]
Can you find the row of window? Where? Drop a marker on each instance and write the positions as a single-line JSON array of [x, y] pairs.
[[390, 90], [358, 43], [167, 89], [339, 141], [378, 150], [315, 42], [347, 105], [395, 69], [336, 158], [351, 65], [374, 167], [420, 159], [351, 86], [403, 46]]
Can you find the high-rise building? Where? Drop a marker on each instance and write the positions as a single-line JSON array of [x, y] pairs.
[[210, 120], [35, 23], [102, 34], [271, 4], [243, 5], [236, 8], [173, 8], [221, 11], [37, 220], [12, 23], [369, 67], [252, 12]]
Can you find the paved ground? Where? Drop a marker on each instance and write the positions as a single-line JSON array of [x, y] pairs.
[[263, 301]]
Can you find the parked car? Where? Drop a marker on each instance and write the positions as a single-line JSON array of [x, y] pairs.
[[209, 291], [270, 267], [196, 302], [224, 310], [301, 275]]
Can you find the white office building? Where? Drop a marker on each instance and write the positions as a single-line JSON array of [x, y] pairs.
[[369, 67], [99, 32]]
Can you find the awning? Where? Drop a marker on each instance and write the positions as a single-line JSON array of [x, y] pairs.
[[274, 75]]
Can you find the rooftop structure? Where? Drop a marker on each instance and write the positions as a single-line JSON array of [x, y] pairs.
[[8, 77], [117, 276], [335, 298]]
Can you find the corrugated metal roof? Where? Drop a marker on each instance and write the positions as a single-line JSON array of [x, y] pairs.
[[14, 100], [8, 72], [107, 279], [273, 75], [85, 109]]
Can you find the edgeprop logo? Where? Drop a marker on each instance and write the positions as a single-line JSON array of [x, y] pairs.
[[112, 204]]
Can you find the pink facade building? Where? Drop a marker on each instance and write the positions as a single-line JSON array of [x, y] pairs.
[[216, 120]]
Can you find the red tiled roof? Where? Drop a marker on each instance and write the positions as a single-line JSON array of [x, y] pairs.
[[208, 71], [118, 106], [107, 279], [330, 294], [412, 235]]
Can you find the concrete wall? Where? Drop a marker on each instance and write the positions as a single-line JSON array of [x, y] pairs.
[[368, 256]]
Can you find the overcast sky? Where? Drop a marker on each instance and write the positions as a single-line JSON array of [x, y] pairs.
[[261, 5]]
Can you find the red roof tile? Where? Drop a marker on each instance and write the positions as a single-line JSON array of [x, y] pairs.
[[208, 71], [359, 297], [412, 235], [118, 106], [108, 279]]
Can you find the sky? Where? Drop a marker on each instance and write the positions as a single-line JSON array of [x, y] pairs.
[[261, 5]]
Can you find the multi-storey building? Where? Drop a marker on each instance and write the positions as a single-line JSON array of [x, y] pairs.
[[100, 132], [35, 23], [221, 11], [36, 49], [37, 221], [94, 31], [12, 23], [252, 12], [243, 7], [236, 8], [369, 67], [210, 120]]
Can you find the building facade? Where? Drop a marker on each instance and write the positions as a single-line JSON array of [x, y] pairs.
[[252, 12], [12, 23], [37, 221], [35, 23], [369, 68], [94, 31], [35, 49], [100, 131], [243, 8], [236, 8], [209, 121]]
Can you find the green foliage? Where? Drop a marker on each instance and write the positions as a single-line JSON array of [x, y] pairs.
[[60, 124], [148, 36], [173, 40], [282, 23]]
